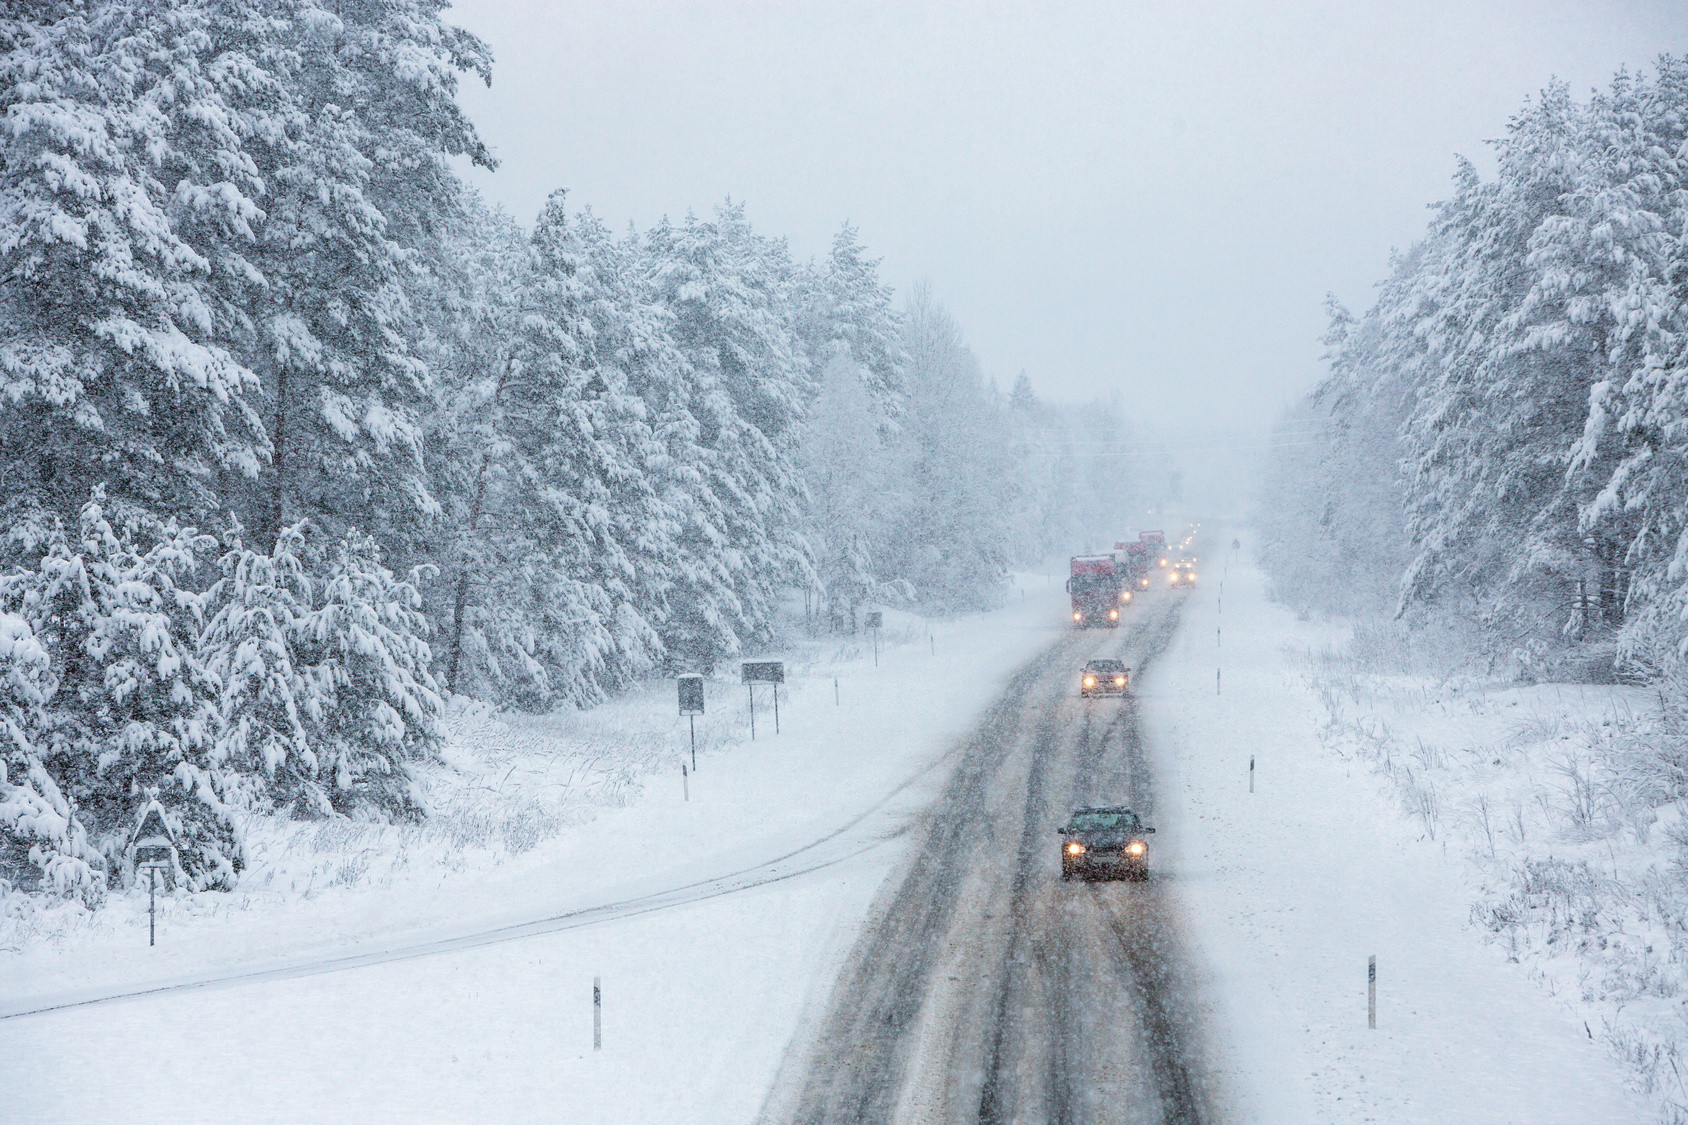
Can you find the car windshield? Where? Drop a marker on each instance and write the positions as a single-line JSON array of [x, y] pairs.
[[1101, 820], [1105, 667]]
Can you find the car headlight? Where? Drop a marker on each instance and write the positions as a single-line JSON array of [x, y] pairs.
[[1078, 617], [1119, 681], [1074, 848], [1114, 613], [1126, 596], [1136, 847], [1090, 681]]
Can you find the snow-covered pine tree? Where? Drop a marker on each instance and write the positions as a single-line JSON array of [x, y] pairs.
[[573, 504], [1614, 273], [470, 304], [43, 843], [853, 336], [728, 293], [1489, 438], [352, 122], [132, 707], [367, 699], [266, 710], [126, 215], [952, 544]]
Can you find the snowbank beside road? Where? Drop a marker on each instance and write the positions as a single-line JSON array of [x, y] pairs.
[[701, 998], [1290, 889]]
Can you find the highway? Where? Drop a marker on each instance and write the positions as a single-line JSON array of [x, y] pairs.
[[984, 989]]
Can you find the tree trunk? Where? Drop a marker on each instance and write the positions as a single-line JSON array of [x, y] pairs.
[[461, 601], [278, 438]]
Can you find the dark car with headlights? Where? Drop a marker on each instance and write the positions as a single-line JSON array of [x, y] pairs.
[[1103, 677], [1107, 841]]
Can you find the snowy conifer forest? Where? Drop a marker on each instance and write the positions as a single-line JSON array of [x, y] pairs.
[[1500, 449], [299, 438]]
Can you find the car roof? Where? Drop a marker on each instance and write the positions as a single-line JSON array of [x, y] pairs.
[[1102, 808]]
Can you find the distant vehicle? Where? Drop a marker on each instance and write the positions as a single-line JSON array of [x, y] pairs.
[[1107, 840], [1104, 677], [1183, 573], [1099, 589]]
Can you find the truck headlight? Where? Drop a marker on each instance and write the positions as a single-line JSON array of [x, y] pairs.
[[1136, 847], [1074, 848], [1078, 617]]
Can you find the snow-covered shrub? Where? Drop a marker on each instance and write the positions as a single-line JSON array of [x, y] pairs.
[[131, 707]]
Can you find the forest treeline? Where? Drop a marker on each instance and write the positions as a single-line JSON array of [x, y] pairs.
[[298, 436], [1502, 438]]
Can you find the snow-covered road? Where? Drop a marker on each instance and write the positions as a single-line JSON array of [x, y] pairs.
[[987, 988]]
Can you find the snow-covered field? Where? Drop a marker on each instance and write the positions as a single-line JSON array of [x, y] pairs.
[[538, 819], [1289, 890], [717, 924]]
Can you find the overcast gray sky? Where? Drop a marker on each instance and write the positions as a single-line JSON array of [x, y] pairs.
[[1149, 198]]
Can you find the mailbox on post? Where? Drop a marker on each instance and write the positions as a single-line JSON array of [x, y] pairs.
[[763, 672]]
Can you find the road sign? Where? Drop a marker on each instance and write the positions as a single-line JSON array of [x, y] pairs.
[[152, 842], [875, 619], [763, 672], [154, 847], [691, 694]]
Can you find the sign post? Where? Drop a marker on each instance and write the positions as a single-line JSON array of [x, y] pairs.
[[874, 621], [691, 706], [153, 846], [763, 672]]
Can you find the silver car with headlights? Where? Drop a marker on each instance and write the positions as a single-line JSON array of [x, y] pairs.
[[1103, 677], [1108, 840]]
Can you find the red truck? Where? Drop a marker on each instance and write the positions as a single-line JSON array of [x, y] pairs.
[[1100, 586]]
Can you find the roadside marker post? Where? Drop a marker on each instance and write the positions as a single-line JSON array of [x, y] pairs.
[[835, 691], [1218, 685], [691, 706], [685, 785], [597, 1013], [1371, 992], [755, 672], [1251, 773]]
